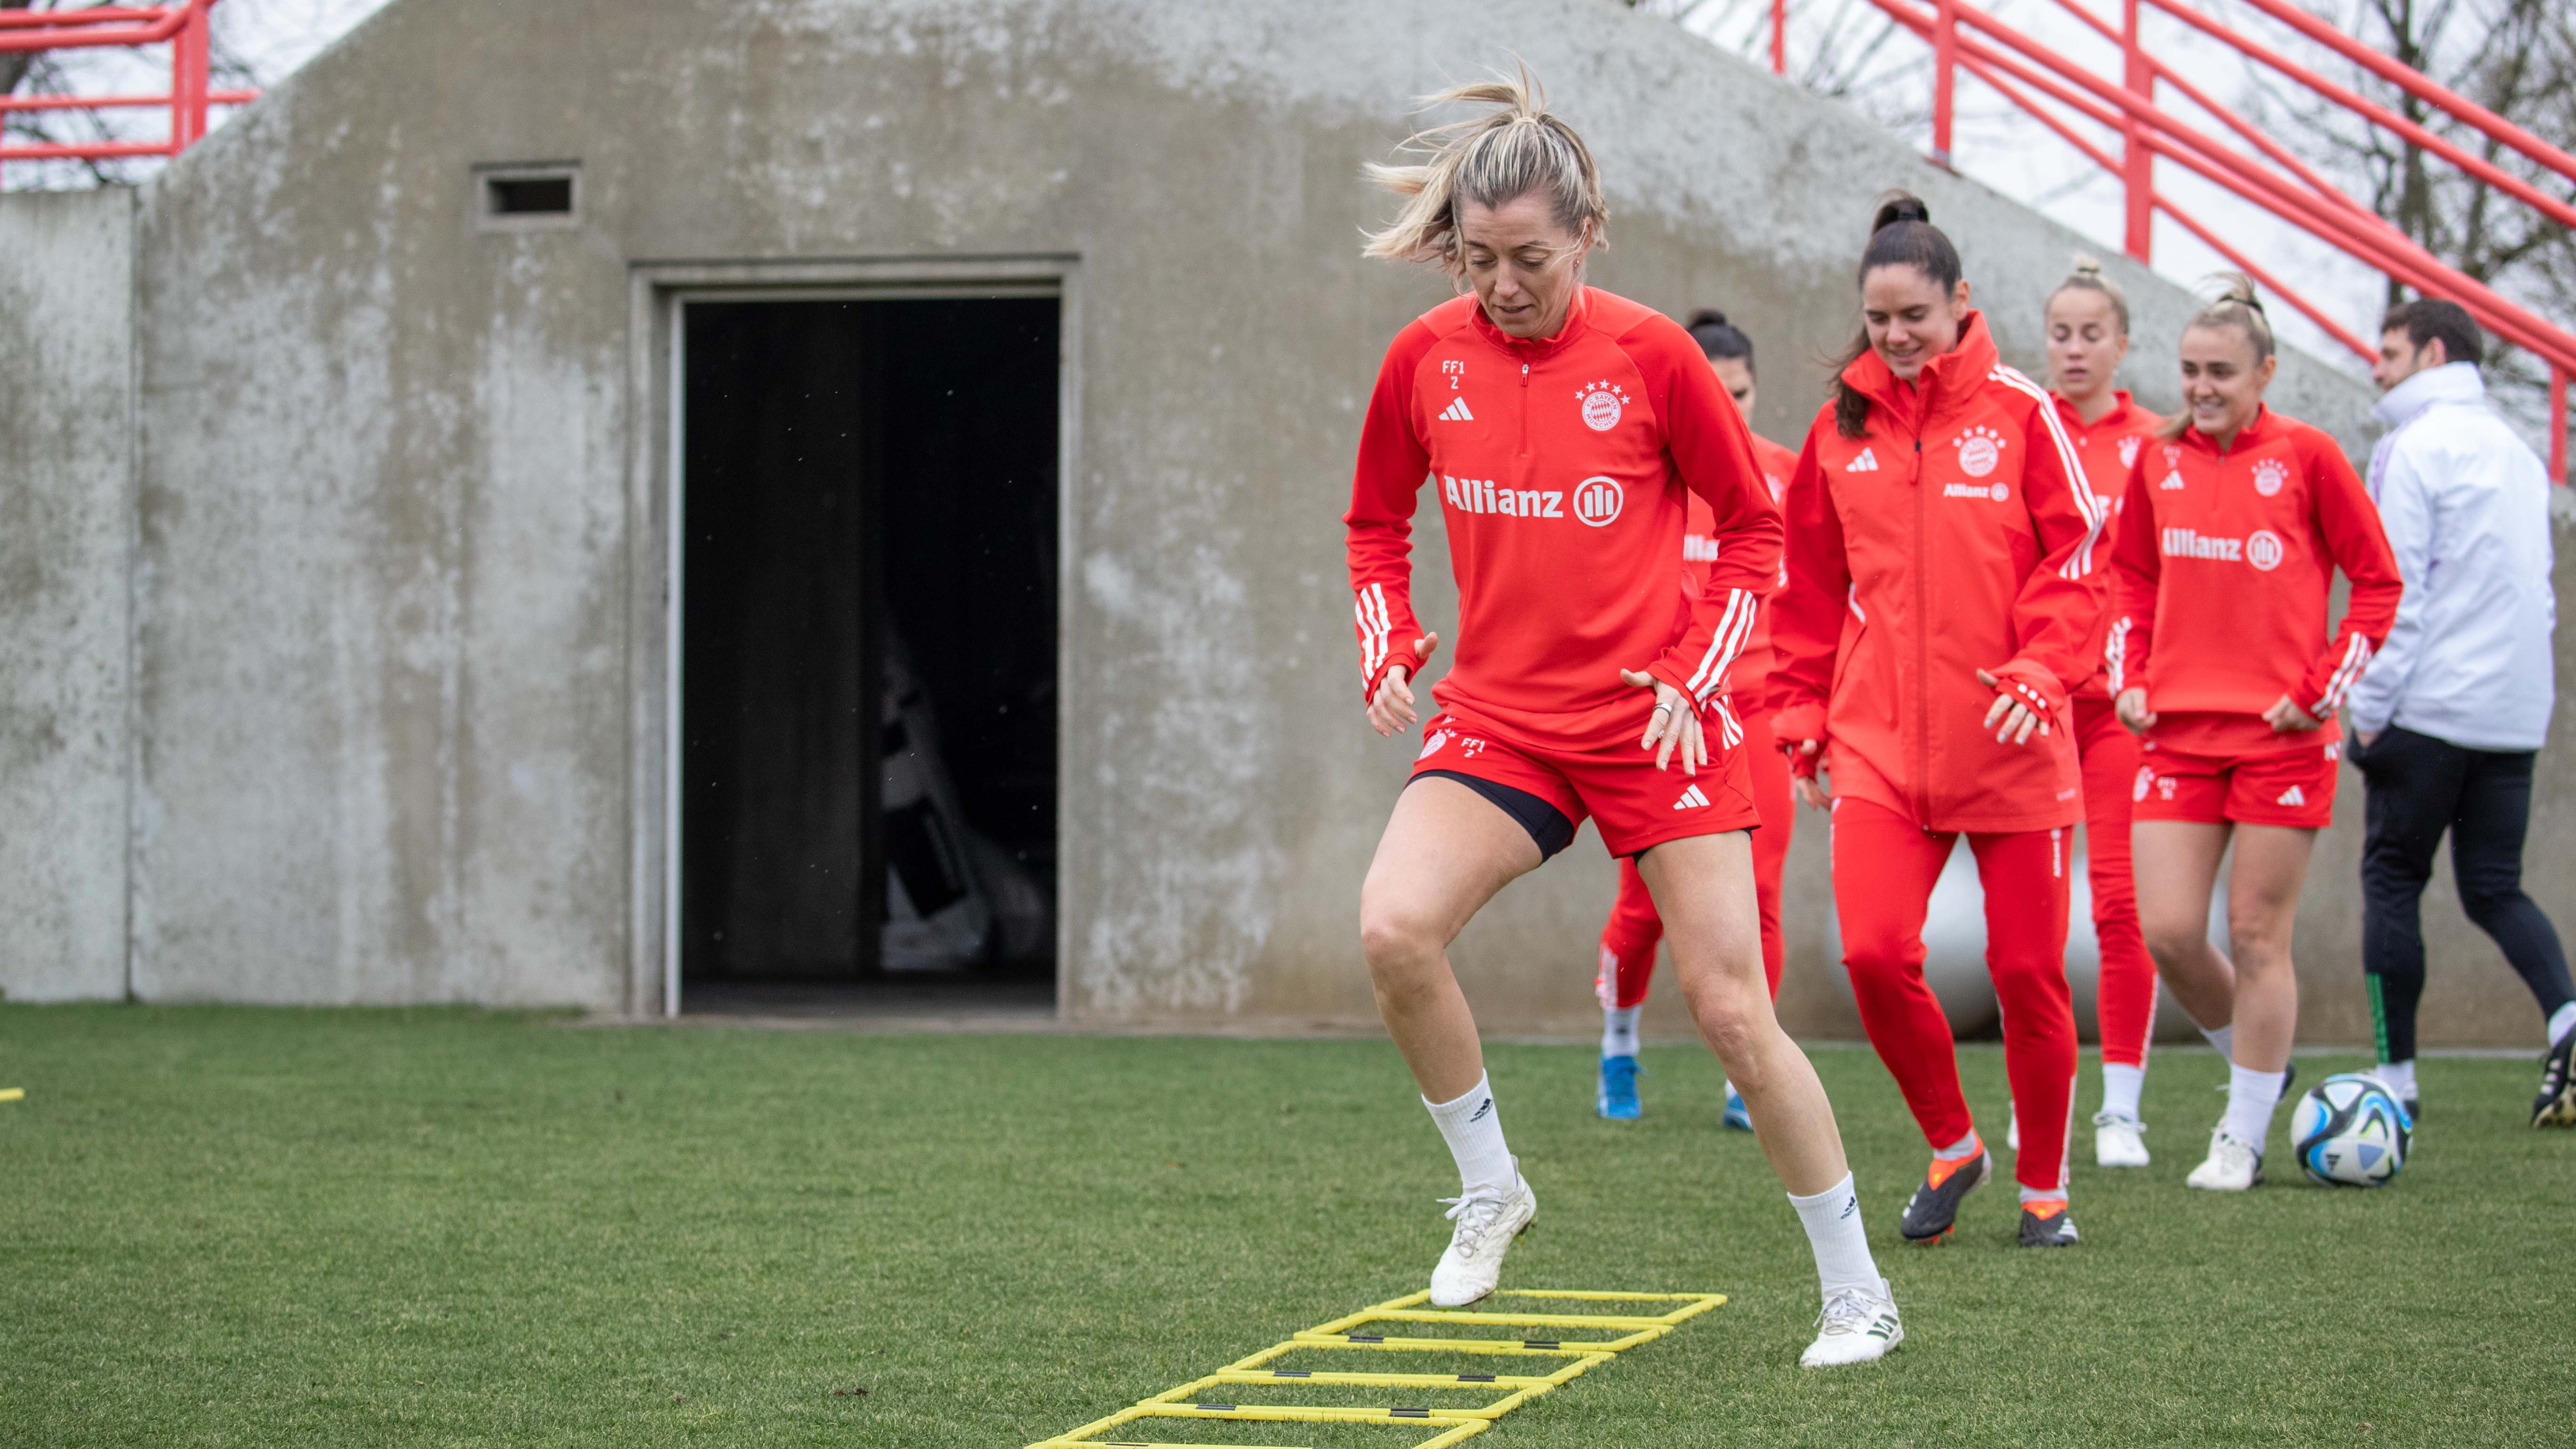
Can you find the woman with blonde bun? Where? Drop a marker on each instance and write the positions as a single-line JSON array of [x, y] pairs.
[[2222, 661], [2086, 319]]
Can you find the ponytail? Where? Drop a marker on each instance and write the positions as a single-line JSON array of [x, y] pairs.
[[2086, 276], [1517, 149], [2237, 305]]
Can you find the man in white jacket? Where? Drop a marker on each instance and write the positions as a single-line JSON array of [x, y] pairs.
[[2450, 715]]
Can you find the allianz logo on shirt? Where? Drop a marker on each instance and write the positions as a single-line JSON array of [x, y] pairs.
[[2262, 548], [1480, 495], [1997, 492], [1698, 548], [1598, 501]]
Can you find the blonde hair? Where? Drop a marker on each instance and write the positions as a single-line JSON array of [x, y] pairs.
[[2085, 275], [2235, 304], [1516, 149]]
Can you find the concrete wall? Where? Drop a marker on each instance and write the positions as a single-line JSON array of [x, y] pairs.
[[66, 524], [400, 506]]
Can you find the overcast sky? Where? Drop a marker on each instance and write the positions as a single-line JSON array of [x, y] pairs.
[[1993, 143]]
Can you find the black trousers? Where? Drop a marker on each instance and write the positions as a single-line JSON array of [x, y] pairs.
[[2421, 787]]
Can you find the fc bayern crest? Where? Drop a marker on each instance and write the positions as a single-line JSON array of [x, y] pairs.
[[1603, 404], [2129, 451], [2269, 475], [1980, 449]]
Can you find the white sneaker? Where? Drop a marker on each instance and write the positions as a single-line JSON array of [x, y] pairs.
[[2118, 1141], [1486, 1227], [1856, 1326], [2234, 1165]]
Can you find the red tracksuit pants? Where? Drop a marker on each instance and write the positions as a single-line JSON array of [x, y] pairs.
[[1634, 930], [1884, 870], [2125, 1003]]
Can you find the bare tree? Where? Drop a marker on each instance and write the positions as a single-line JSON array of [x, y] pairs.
[[2517, 58]]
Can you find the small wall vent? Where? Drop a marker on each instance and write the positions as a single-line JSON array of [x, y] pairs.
[[527, 197]]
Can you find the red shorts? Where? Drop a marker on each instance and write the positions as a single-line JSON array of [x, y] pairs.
[[2293, 788], [1635, 804]]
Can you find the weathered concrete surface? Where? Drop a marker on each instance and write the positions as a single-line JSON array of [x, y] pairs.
[[398, 502], [66, 518]]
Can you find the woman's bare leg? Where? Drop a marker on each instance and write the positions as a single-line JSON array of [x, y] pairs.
[[1703, 885], [1446, 851], [2177, 867], [2263, 886]]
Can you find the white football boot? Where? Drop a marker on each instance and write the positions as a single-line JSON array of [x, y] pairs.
[[2234, 1165], [1856, 1326], [1486, 1227], [2118, 1141]]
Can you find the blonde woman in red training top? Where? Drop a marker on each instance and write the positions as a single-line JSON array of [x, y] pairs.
[[1563, 430], [2087, 322], [2221, 659]]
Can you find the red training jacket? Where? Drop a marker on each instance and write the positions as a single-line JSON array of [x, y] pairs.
[[1957, 534], [2248, 541], [2108, 449], [1562, 465]]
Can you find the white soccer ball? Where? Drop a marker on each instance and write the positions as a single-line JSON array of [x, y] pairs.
[[2350, 1131]]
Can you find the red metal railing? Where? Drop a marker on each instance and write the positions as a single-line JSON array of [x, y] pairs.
[[181, 25], [2263, 172]]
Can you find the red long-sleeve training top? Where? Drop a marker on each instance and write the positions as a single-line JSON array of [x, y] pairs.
[[2224, 564], [2108, 447], [1562, 465], [1957, 534]]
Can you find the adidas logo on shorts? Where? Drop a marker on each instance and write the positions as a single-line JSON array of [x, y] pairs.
[[1691, 799], [1457, 412], [2292, 796]]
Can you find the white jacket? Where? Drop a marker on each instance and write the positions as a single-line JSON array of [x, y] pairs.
[[2466, 507]]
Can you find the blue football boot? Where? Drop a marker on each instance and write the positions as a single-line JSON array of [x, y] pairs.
[[1618, 1098], [1736, 1116]]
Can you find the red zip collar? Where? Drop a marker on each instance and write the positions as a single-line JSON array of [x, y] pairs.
[[2260, 430], [1943, 386], [1578, 318], [2121, 408]]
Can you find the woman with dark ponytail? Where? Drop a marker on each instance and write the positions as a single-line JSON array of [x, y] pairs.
[[1629, 938], [1942, 600]]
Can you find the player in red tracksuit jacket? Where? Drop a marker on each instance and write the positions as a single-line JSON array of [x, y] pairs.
[[2221, 658], [1561, 431], [1629, 938], [1943, 595], [2087, 322]]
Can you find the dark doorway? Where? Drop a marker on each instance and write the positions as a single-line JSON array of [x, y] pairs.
[[868, 669]]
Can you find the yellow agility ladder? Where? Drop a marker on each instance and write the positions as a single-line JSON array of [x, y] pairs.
[[1196, 1399]]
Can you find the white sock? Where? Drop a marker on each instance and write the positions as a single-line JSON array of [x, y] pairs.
[[1832, 1221], [2400, 1077], [2054, 1194], [1474, 1131], [2221, 1037], [1964, 1147], [2561, 1022], [2120, 1088], [1619, 1030], [2251, 1098]]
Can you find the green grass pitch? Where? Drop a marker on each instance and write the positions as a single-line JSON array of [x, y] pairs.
[[230, 1227]]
